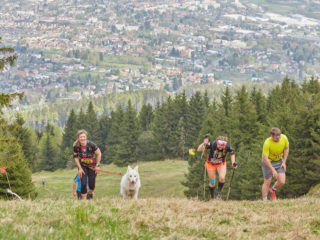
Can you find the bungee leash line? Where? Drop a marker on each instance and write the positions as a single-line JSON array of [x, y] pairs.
[[98, 170]]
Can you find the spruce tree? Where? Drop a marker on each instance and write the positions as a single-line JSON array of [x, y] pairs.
[[17, 169], [160, 127], [145, 117], [11, 155], [114, 139], [68, 138], [304, 154], [104, 129], [28, 144], [195, 116], [127, 148], [91, 124]]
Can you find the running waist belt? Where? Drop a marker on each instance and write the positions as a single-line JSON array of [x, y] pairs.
[[216, 161], [88, 160]]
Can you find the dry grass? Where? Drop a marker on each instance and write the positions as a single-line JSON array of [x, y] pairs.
[[160, 218]]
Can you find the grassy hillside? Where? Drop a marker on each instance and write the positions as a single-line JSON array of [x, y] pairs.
[[158, 179], [160, 218], [161, 212]]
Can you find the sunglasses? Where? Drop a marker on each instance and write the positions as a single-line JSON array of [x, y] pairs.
[[276, 136], [221, 143]]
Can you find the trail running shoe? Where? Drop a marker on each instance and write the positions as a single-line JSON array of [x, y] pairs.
[[219, 196], [89, 196], [272, 194], [211, 197]]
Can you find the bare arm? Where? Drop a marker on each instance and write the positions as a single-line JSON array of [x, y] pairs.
[[98, 153], [74, 188], [202, 146], [285, 154], [233, 160], [80, 170]]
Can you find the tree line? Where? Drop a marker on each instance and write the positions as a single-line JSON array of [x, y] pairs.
[[179, 123]]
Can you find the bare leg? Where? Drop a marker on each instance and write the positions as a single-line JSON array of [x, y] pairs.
[[84, 196], [222, 171], [212, 176], [281, 179], [265, 187]]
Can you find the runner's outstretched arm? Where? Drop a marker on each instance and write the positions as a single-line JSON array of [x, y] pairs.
[[233, 160]]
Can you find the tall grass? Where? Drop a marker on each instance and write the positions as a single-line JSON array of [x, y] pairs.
[[160, 218], [161, 212]]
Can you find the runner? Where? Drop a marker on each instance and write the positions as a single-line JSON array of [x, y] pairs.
[[274, 157], [84, 152], [216, 160]]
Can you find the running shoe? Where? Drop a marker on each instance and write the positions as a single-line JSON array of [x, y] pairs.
[[272, 194]]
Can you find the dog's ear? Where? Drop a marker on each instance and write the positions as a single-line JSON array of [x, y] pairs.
[[136, 168], [129, 168]]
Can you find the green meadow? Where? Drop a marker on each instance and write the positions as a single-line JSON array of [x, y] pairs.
[[158, 179], [161, 212]]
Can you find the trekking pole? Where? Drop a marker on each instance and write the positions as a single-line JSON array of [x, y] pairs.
[[235, 164], [205, 171], [204, 178], [14, 194]]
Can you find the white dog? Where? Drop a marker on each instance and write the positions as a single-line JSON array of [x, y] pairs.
[[130, 184]]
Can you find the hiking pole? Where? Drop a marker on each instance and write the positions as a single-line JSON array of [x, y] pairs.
[[98, 170], [234, 164], [205, 171], [14, 194], [204, 178]]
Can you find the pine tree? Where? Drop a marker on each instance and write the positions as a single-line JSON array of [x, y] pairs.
[[70, 131], [48, 154], [104, 129], [145, 117], [260, 102], [17, 169], [304, 156], [113, 139], [28, 144], [182, 149], [226, 100], [160, 128], [91, 124], [127, 149], [195, 116], [68, 138], [11, 155], [81, 120]]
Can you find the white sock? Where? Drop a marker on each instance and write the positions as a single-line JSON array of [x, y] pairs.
[[264, 198]]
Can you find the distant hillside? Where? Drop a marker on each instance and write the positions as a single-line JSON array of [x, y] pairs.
[[57, 113]]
